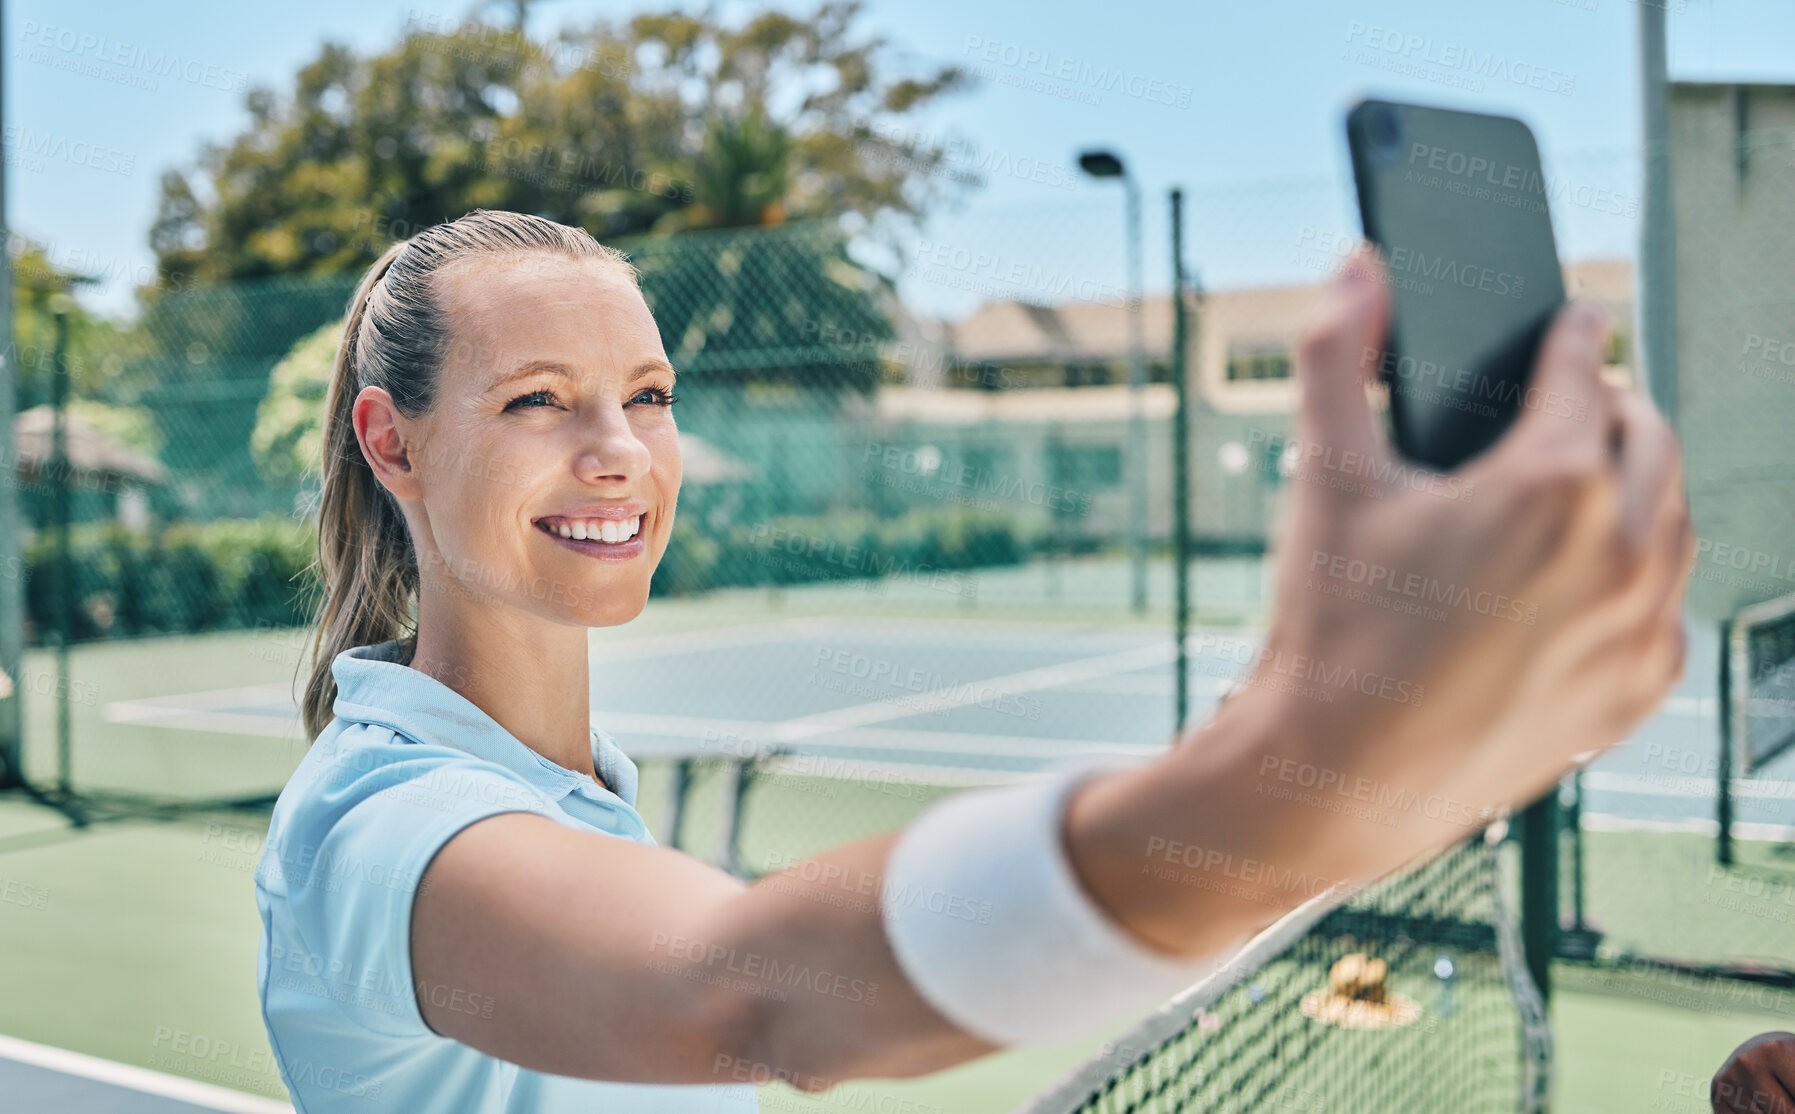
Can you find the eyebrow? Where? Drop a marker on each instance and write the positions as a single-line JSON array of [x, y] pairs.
[[555, 367]]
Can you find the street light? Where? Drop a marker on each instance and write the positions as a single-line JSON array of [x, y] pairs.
[[1107, 164]]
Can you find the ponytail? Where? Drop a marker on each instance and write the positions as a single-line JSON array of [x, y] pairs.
[[395, 337], [365, 559]]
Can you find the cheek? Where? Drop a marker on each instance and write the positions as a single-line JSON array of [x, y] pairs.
[[482, 478], [663, 452]]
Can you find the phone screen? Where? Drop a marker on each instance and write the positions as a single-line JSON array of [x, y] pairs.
[[1457, 205]]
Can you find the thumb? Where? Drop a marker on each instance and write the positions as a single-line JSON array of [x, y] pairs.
[[1338, 355]]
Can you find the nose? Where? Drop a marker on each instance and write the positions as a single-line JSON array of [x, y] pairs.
[[611, 450]]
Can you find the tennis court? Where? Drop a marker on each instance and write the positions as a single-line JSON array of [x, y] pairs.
[[142, 932]]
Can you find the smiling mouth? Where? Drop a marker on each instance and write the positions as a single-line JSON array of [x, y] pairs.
[[605, 531]]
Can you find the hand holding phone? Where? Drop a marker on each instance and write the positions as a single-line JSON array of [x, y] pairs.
[[1456, 204]]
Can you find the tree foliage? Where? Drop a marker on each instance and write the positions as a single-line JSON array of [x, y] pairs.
[[666, 122]]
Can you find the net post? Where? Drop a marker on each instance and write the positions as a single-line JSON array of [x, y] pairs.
[[1539, 889], [1723, 714], [12, 562], [1180, 467]]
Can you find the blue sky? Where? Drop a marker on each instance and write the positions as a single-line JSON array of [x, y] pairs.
[[1238, 102]]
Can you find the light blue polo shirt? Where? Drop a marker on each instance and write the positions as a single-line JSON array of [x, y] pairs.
[[407, 763]]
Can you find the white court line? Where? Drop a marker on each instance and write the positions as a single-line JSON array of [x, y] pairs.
[[728, 731], [139, 1079], [694, 641], [971, 692], [1603, 822], [1679, 785]]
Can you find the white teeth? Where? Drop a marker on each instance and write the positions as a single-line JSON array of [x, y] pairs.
[[601, 529]]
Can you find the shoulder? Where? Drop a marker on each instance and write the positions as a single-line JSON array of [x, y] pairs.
[[352, 763], [370, 793]]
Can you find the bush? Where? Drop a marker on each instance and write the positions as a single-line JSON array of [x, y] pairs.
[[805, 549], [180, 578]]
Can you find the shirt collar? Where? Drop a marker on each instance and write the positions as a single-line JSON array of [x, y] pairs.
[[373, 686]]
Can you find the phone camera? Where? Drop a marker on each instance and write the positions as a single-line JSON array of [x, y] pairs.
[[1383, 129]]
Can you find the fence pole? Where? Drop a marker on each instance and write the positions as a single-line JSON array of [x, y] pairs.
[[1180, 466], [1657, 302], [1723, 715], [12, 557], [59, 471], [1539, 889]]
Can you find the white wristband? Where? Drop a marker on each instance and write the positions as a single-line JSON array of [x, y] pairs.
[[989, 922]]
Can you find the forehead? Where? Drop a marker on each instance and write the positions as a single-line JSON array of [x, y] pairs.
[[502, 312]]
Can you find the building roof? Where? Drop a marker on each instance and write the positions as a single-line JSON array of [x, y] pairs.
[[1072, 405], [89, 450], [997, 332]]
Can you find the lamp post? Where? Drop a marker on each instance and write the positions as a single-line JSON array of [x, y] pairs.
[[1106, 164]]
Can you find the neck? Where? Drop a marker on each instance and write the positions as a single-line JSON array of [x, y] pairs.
[[531, 676]]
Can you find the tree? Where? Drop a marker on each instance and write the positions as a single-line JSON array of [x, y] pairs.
[[667, 122]]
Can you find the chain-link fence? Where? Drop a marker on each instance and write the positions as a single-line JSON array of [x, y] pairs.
[[1678, 879], [871, 420]]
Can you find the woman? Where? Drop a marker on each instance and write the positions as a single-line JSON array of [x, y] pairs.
[[463, 910]]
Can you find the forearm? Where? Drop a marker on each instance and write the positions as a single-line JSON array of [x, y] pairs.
[[1189, 853], [828, 1000], [1269, 804]]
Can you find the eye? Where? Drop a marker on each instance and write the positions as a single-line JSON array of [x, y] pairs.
[[541, 394], [656, 396]]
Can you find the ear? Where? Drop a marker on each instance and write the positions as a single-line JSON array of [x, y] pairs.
[[383, 434]]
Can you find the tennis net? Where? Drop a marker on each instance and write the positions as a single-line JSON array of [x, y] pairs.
[[1413, 995]]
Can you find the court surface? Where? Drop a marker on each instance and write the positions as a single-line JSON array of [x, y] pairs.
[[35, 1077], [937, 700], [968, 702]]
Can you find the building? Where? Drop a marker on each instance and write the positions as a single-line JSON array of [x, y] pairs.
[[1043, 400], [1732, 170], [105, 480]]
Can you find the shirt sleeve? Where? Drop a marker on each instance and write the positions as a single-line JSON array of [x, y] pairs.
[[351, 856]]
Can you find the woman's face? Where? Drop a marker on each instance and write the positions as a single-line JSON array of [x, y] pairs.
[[550, 462]]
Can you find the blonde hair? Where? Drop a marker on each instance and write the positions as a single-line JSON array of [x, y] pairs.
[[395, 337]]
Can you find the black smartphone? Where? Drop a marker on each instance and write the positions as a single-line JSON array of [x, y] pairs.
[[1456, 203]]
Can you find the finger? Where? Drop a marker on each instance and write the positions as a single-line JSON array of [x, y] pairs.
[[1337, 356], [1650, 462], [1569, 408]]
